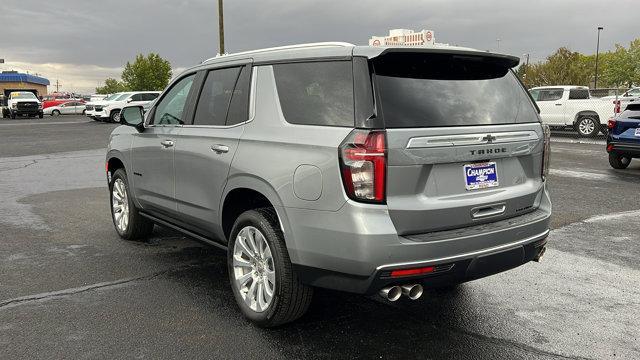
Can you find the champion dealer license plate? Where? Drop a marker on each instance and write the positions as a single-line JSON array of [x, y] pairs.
[[481, 175]]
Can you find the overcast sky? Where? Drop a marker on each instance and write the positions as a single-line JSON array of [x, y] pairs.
[[81, 42]]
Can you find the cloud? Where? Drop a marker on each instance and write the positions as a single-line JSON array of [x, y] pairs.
[[108, 33]]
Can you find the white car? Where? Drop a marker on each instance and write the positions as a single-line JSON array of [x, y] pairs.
[[68, 108], [90, 106], [563, 106], [110, 110]]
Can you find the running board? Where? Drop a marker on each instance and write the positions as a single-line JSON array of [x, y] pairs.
[[186, 232]]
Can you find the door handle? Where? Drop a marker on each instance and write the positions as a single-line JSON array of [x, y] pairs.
[[220, 149], [558, 104], [167, 143]]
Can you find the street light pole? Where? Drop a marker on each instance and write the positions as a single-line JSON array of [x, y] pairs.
[[221, 27], [595, 82]]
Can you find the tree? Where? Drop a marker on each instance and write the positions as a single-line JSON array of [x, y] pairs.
[[147, 73], [111, 86]]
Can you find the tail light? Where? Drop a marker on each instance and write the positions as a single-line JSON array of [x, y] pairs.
[[616, 108], [546, 152], [363, 163], [611, 123]]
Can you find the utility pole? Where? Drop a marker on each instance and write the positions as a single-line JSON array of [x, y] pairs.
[[58, 85], [498, 44], [221, 27], [527, 59], [595, 81]]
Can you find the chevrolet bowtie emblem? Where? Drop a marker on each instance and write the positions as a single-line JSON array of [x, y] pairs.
[[489, 138]]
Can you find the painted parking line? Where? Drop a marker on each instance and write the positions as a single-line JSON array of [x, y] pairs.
[[594, 175], [46, 123], [578, 141]]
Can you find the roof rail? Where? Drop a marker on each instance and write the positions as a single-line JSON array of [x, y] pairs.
[[282, 48]]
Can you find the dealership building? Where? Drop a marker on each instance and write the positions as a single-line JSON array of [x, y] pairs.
[[15, 81]]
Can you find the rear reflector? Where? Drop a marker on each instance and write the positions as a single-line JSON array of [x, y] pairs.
[[416, 271]]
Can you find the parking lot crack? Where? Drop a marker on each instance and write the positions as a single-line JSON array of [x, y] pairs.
[[25, 300]]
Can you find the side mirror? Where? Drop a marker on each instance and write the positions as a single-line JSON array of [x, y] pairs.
[[133, 116], [129, 100]]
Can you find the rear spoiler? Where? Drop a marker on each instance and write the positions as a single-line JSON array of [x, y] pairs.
[[507, 61]]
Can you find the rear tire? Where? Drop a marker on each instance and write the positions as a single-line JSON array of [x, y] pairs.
[[251, 272], [587, 126], [619, 162], [13, 115], [129, 224], [55, 113]]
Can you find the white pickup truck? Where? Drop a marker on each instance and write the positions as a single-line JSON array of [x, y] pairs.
[[573, 106]]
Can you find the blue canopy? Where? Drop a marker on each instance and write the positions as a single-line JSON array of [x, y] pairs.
[[25, 78]]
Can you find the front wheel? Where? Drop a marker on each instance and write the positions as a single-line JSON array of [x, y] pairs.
[[588, 126], [128, 222], [115, 116], [619, 162], [55, 113], [264, 283]]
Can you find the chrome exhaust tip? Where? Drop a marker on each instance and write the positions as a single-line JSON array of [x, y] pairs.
[[412, 291], [541, 252], [391, 293]]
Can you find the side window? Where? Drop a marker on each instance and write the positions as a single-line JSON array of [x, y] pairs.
[[316, 93], [215, 97], [149, 96], [578, 94], [136, 97], [550, 95], [170, 109], [239, 107]]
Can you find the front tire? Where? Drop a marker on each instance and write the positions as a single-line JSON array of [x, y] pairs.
[[115, 116], [128, 222], [588, 126], [619, 162], [264, 283], [55, 113]]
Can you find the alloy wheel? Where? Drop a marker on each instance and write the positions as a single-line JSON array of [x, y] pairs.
[[120, 205], [586, 126], [254, 269]]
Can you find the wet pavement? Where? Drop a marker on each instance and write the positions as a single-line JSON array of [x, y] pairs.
[[70, 288]]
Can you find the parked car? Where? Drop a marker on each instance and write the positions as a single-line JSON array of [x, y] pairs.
[[90, 107], [572, 106], [23, 103], [283, 158], [110, 110], [623, 140], [98, 97], [73, 107]]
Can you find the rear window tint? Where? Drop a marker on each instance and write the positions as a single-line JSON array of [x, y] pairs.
[[316, 93], [433, 91]]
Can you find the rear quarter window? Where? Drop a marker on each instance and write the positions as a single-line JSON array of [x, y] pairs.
[[316, 93]]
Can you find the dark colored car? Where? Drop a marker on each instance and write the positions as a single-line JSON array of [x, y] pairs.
[[623, 140]]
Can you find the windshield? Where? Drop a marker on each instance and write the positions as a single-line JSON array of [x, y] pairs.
[[112, 97], [23, 95], [432, 91], [122, 97]]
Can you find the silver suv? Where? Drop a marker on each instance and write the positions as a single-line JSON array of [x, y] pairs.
[[356, 168]]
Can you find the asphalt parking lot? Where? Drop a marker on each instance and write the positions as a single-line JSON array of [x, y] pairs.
[[70, 288]]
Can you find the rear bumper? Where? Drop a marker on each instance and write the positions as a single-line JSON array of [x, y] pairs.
[[355, 248], [624, 148]]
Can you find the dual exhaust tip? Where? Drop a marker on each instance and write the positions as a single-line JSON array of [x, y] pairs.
[[393, 293]]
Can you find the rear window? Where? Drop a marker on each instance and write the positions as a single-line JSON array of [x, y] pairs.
[[316, 93], [433, 90]]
